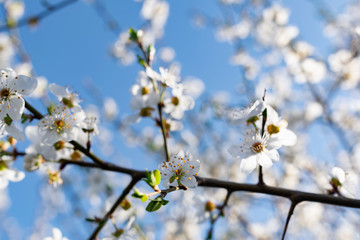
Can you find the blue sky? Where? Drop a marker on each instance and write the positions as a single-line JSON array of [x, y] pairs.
[[72, 46]]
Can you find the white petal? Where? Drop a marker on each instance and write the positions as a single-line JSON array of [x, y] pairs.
[[248, 164], [25, 85], [289, 137], [272, 116], [132, 119], [17, 106], [190, 183], [4, 182], [264, 160], [15, 175], [177, 113], [58, 91], [57, 234], [187, 102], [273, 154], [176, 126], [14, 132], [338, 173], [50, 137]]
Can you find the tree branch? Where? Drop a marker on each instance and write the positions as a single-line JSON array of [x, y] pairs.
[[220, 213], [35, 18], [126, 191], [291, 211]]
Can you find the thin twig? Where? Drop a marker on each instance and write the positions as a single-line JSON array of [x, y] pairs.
[[35, 18], [163, 131], [220, 214], [126, 191], [291, 211], [264, 118]]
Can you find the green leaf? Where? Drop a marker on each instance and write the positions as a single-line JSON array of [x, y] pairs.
[[153, 206], [141, 61], [144, 198], [147, 174], [137, 193], [157, 176], [133, 35], [152, 180], [157, 199], [164, 202]]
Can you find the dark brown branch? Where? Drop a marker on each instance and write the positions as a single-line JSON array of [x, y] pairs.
[[35, 18], [104, 166], [293, 195], [291, 211], [126, 191], [35, 112]]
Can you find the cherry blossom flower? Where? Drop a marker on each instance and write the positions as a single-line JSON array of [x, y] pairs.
[[66, 97], [59, 149], [179, 170], [342, 183], [255, 149], [121, 49], [179, 103], [248, 115], [12, 88], [60, 125], [276, 128], [170, 77]]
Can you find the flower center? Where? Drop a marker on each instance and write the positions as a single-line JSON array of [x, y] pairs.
[[257, 147], [59, 124], [175, 101], [5, 93], [144, 91]]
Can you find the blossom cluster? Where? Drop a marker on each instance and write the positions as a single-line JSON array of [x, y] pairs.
[[267, 133]]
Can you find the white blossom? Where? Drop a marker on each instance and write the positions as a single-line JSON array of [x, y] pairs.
[[179, 103], [66, 97], [12, 89], [255, 150], [60, 125], [179, 170]]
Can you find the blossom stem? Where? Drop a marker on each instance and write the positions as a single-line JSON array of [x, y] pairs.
[[161, 123], [166, 191], [264, 118]]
